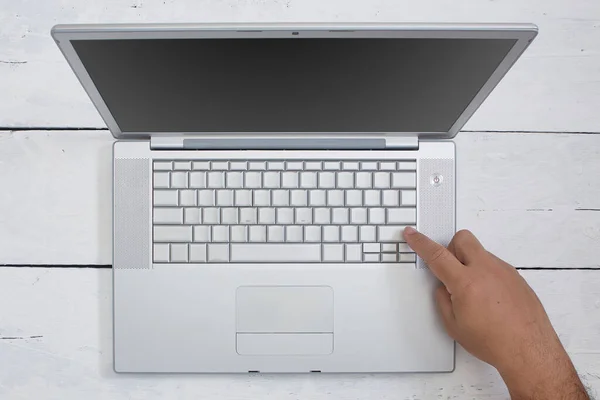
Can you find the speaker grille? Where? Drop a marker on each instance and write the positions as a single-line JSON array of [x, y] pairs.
[[436, 203], [131, 241]]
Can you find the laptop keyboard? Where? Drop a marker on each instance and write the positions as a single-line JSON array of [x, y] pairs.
[[283, 211]]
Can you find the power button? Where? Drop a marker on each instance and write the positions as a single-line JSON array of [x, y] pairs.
[[436, 179]]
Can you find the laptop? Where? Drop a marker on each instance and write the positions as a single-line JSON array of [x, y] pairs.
[[263, 175]]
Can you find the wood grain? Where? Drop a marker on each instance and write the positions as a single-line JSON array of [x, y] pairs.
[[56, 343], [554, 87], [532, 198]]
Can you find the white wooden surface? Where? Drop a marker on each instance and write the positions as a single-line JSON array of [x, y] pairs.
[[557, 79], [533, 198]]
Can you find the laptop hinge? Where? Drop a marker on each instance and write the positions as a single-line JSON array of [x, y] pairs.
[[376, 142]]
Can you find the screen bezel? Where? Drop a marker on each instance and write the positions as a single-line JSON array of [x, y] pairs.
[[64, 34]]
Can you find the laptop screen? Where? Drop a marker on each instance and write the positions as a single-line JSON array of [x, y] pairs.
[[289, 85]]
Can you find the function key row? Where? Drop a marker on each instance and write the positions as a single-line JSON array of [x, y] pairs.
[[224, 165]]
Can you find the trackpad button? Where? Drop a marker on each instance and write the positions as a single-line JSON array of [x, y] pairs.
[[284, 309], [284, 344]]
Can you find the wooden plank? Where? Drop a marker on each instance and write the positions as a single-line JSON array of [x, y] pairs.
[[555, 87], [532, 198], [56, 342]]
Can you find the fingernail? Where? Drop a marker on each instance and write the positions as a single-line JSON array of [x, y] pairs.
[[409, 230]]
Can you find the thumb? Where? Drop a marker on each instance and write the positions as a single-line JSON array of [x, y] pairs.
[[444, 303]]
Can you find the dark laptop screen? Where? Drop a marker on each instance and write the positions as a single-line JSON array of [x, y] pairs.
[[289, 85]]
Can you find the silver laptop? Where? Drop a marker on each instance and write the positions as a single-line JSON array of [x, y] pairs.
[[262, 179]]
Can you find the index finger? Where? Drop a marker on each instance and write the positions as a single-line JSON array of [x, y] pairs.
[[441, 262]]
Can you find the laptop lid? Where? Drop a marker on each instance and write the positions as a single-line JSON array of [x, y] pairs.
[[208, 79]]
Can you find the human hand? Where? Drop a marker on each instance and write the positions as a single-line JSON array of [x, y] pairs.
[[489, 309]]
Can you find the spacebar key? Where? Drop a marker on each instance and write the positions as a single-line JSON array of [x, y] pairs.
[[274, 253]]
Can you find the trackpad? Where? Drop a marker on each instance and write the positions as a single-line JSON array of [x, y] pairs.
[[278, 320]]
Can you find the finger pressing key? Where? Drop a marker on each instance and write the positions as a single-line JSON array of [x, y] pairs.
[[441, 262]]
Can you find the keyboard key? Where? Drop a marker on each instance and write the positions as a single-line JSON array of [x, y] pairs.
[[192, 216], [182, 165], [389, 257], [172, 233], [161, 179], [161, 253], [389, 247], [363, 180], [238, 165], [381, 180], [326, 180], [407, 257], [312, 233], [234, 180], [285, 216], [350, 165], [293, 233], [201, 165], [257, 233], [224, 198], [390, 233], [198, 253], [275, 233], [332, 165], [219, 165], [358, 216], [275, 165], [353, 253], [368, 165], [238, 233], [407, 165], [179, 253], [163, 165], [168, 216], [391, 198], [322, 216], [179, 180], [218, 252], [210, 216], [376, 216], [312, 165], [289, 180], [257, 165], [345, 180], [281, 198], [266, 216], [253, 180], [299, 198], [349, 233], [243, 198], [304, 216], [333, 253], [166, 198], [409, 197], [187, 198], [404, 179], [198, 180], [335, 198], [406, 216], [206, 198], [294, 165], [248, 216], [387, 166], [339, 216], [202, 233], [368, 234], [404, 248], [331, 233], [271, 180], [354, 198], [275, 252], [308, 180], [371, 248], [229, 216], [317, 198], [371, 257], [216, 180], [262, 198], [372, 197]]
